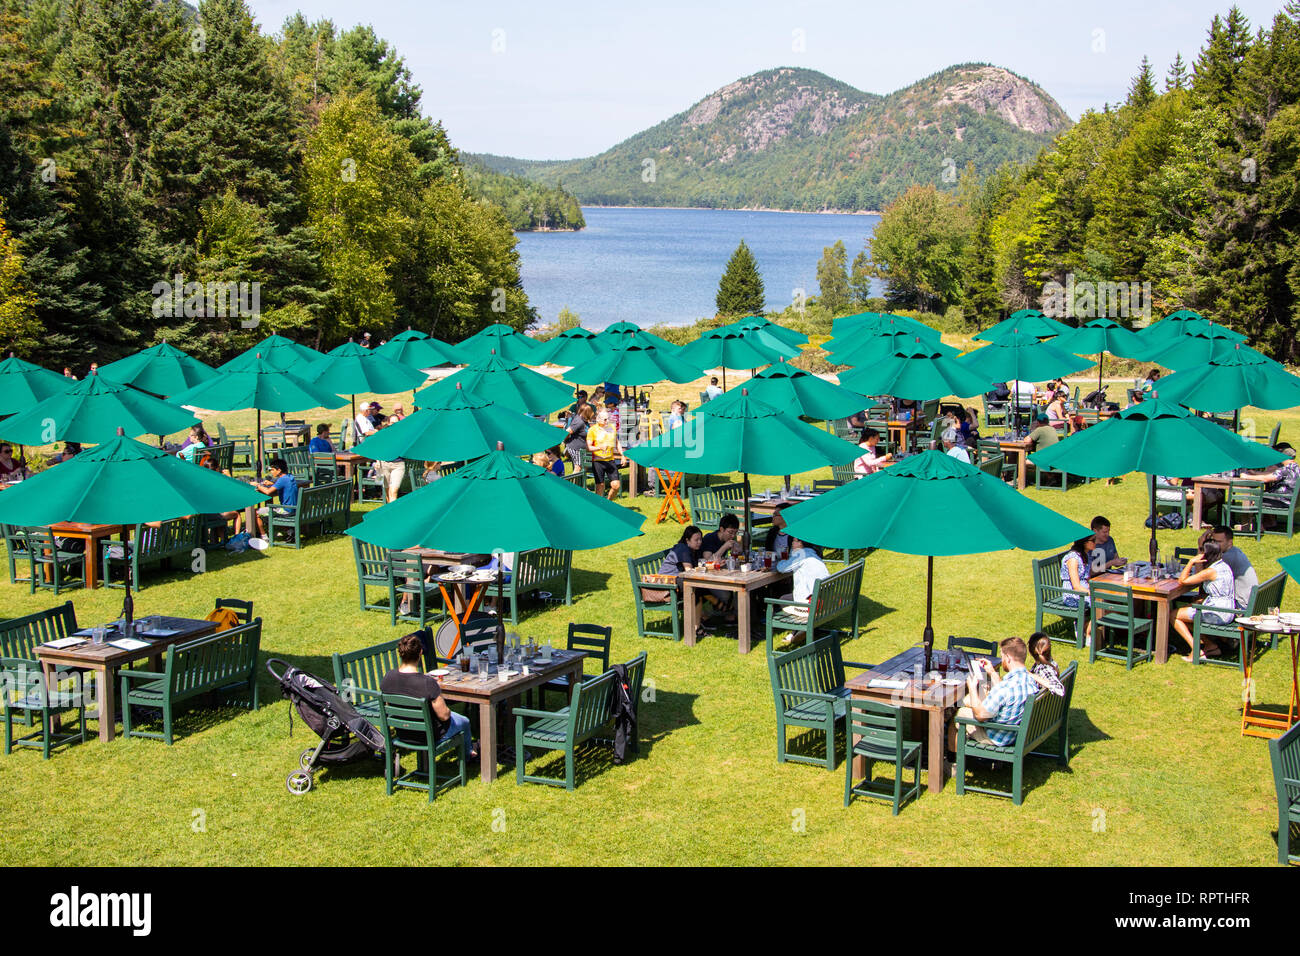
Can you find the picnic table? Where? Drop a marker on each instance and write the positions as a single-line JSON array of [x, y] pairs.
[[1161, 593], [106, 659], [1017, 448], [488, 693], [1269, 720], [920, 694], [1205, 482], [740, 583], [762, 505], [92, 535]]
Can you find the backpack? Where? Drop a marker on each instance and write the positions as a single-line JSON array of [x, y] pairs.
[[624, 708], [1170, 520]]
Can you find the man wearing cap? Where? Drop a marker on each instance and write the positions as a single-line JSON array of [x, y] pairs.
[[953, 448], [364, 423], [1044, 435]]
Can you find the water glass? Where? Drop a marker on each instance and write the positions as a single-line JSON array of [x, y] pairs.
[[97, 634], [483, 666]]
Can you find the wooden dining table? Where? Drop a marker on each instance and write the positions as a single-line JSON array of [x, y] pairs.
[[105, 660], [488, 693], [740, 583], [1162, 594], [1210, 482], [92, 535], [1019, 449], [924, 696]]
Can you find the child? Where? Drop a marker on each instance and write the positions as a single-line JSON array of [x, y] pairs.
[[1044, 672]]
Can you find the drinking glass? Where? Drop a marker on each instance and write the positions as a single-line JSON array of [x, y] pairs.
[[97, 634], [483, 666]]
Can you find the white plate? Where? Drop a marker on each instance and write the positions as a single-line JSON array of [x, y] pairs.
[[440, 672], [258, 544]]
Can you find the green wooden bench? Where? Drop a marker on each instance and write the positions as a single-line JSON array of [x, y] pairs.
[[1046, 717], [1284, 754], [20, 636], [243, 450], [326, 506], [297, 458], [672, 603], [832, 597], [176, 538], [1048, 595], [1262, 597], [16, 551], [589, 715], [709, 504], [357, 674], [219, 662], [373, 571], [1284, 513], [809, 692], [542, 569]]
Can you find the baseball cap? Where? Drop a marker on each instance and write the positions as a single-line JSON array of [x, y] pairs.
[[1042, 417]]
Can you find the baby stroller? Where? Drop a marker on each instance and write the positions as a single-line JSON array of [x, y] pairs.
[[344, 734]]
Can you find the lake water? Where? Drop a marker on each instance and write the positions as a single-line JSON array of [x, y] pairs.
[[663, 265]]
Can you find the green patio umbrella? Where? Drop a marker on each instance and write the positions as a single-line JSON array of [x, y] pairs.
[[499, 503], [257, 384], [803, 393], [635, 364], [1019, 356], [1196, 346], [501, 339], [161, 369], [278, 352], [757, 322], [1028, 321], [418, 350], [1233, 380], [874, 346], [727, 348], [570, 347], [1098, 338], [1291, 565], [934, 505], [622, 334], [736, 432], [918, 371], [92, 411], [1156, 437], [459, 427], [506, 383], [352, 368], [1160, 334], [22, 385], [847, 326], [127, 482]]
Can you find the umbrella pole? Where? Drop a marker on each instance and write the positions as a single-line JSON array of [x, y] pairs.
[[128, 603], [1154, 548], [749, 535], [259, 444], [1101, 364], [927, 636], [501, 617]]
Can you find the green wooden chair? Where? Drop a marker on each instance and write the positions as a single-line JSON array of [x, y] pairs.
[[993, 465], [1061, 480], [1244, 506], [16, 552], [841, 475], [832, 597], [20, 636], [23, 690], [592, 638], [589, 713], [672, 604], [1284, 755], [44, 554], [407, 573], [1283, 511], [1174, 500], [974, 645], [1272, 436], [243, 450], [409, 727], [808, 689], [243, 609], [373, 571], [1049, 598], [1112, 608], [222, 453], [881, 737], [324, 467], [996, 413], [1262, 597]]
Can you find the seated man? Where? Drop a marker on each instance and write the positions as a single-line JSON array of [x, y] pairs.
[[364, 423], [1244, 576], [1105, 554], [714, 389], [321, 444], [777, 540], [1044, 435], [281, 484], [952, 447], [408, 681], [726, 540], [808, 569], [1005, 700]]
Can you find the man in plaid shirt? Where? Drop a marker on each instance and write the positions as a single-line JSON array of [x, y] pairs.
[[1006, 699]]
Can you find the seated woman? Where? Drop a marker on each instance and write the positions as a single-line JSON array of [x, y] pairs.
[[1075, 572], [777, 540], [970, 428], [10, 469], [1045, 672], [1057, 413], [872, 461], [808, 568], [1278, 483], [1209, 569], [687, 553]]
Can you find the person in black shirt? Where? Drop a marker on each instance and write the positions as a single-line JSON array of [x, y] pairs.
[[409, 681], [726, 540]]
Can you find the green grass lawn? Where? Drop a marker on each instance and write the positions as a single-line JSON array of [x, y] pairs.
[[1160, 772]]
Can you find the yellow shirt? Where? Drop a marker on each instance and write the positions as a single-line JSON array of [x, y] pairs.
[[602, 440]]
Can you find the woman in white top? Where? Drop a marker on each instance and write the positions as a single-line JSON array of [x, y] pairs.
[[1220, 592], [872, 461]]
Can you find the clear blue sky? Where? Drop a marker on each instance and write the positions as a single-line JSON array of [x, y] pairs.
[[571, 78]]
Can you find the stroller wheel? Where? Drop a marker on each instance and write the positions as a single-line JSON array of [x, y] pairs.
[[304, 759], [299, 782]]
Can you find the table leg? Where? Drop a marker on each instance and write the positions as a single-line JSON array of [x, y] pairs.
[[742, 619], [633, 475], [1162, 630], [92, 561], [1196, 507], [107, 702], [935, 775], [688, 613], [1022, 470], [487, 741]]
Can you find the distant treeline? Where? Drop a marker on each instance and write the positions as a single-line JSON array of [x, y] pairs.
[[527, 205]]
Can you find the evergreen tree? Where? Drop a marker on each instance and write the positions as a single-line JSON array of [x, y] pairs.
[[740, 291], [1177, 78], [1215, 74], [833, 279], [1142, 91]]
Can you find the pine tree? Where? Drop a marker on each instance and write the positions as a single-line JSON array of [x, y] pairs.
[[833, 279], [740, 291], [1215, 75], [1142, 91], [1177, 78]]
